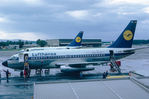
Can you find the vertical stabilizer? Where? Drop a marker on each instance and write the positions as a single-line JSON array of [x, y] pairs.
[[78, 39], [126, 38]]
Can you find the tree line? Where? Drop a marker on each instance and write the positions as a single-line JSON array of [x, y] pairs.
[[39, 42], [7, 43]]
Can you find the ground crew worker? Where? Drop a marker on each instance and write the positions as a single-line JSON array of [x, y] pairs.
[[25, 73], [7, 74], [104, 75], [21, 74], [26, 70]]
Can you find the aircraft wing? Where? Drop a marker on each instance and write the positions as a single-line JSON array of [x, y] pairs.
[[81, 64], [78, 67]]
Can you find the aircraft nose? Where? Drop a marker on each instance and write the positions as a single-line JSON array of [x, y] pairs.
[[5, 63]]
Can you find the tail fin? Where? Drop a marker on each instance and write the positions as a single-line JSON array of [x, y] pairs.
[[78, 39], [126, 38]]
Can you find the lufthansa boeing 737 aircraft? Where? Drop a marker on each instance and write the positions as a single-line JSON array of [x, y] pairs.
[[76, 43], [75, 60]]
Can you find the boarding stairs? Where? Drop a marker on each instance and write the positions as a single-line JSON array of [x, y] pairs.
[[114, 65]]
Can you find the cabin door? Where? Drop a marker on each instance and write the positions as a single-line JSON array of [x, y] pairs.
[[23, 57]]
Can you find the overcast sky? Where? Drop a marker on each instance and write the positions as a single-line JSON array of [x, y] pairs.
[[52, 19]]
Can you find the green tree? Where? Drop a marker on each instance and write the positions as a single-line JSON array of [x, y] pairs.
[[21, 43], [41, 43], [26, 42]]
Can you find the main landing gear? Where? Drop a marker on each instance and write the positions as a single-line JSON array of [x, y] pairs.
[[40, 72]]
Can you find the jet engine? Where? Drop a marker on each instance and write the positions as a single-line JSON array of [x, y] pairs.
[[75, 69]]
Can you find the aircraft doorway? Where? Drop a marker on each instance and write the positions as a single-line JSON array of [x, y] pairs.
[[23, 57], [111, 53]]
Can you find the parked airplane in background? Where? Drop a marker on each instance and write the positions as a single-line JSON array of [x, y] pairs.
[[76, 43], [76, 60]]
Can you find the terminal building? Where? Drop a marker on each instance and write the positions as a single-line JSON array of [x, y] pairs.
[[65, 42]]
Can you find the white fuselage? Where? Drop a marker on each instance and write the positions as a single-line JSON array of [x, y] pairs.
[[50, 58]]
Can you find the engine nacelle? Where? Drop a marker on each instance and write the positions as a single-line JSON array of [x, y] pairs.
[[75, 69]]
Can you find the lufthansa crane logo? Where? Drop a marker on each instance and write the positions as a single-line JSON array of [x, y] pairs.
[[128, 35], [78, 39]]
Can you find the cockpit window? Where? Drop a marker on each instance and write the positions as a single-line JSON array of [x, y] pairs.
[[27, 50], [12, 58], [20, 51]]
